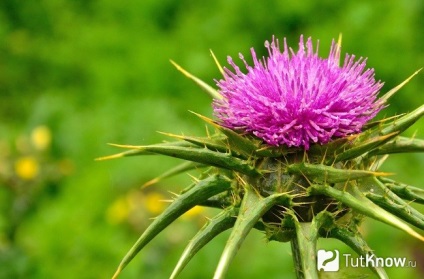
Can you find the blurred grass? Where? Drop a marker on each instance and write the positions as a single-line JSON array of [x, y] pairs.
[[95, 72]]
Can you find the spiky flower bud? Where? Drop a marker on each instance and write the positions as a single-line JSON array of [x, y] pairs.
[[292, 156]]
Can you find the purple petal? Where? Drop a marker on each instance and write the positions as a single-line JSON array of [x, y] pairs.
[[297, 99]]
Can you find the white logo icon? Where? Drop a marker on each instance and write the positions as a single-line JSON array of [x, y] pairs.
[[328, 260]]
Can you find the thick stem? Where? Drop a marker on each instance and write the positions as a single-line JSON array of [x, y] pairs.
[[304, 250]]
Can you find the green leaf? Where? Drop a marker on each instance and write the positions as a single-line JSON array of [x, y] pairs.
[[373, 138], [216, 143], [136, 150], [196, 154], [382, 132], [220, 223], [355, 199], [327, 174], [363, 147], [252, 208], [380, 122], [403, 211], [237, 142], [382, 196], [401, 124], [329, 150], [220, 201], [304, 245], [404, 191], [202, 191], [400, 145], [266, 150]]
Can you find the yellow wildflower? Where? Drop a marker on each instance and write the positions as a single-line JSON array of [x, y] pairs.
[[194, 212], [41, 137], [154, 203], [27, 167], [118, 211]]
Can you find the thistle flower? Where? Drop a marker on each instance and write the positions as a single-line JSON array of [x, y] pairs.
[[298, 98], [276, 180]]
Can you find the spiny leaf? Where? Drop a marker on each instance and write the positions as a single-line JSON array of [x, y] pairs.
[[382, 196], [209, 89], [200, 155], [183, 167], [201, 192], [386, 96], [323, 173], [304, 250], [355, 241], [220, 201], [355, 199], [273, 151], [331, 148], [252, 208], [236, 141], [403, 211], [304, 244], [377, 136], [377, 162], [400, 145], [382, 133], [404, 191], [373, 124], [137, 150], [220, 223], [217, 143], [361, 148], [248, 146], [401, 124]]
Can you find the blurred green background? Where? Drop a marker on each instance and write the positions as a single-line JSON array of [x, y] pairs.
[[77, 74]]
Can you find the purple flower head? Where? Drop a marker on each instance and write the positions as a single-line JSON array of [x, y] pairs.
[[296, 99]]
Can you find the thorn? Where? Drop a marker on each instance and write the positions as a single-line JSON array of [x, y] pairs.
[[150, 182], [345, 185], [115, 156], [171, 135], [298, 214], [339, 47], [209, 89], [241, 180], [172, 193], [389, 94], [166, 201], [339, 41], [204, 118], [305, 156], [195, 179], [221, 70], [117, 272], [414, 135], [300, 185], [207, 131], [323, 157], [126, 146], [376, 173]]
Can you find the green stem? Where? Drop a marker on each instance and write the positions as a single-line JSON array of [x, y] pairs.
[[304, 250]]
